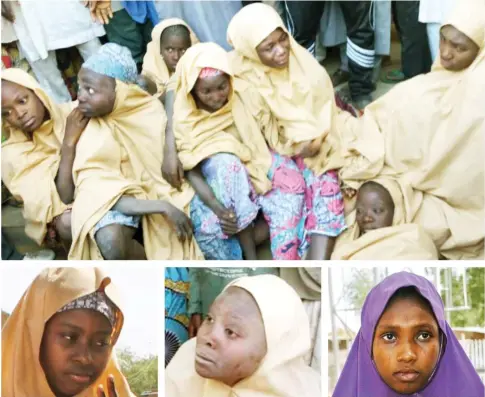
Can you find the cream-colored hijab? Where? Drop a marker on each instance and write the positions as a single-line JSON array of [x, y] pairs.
[[299, 98], [401, 241], [282, 373], [22, 374], [200, 134], [153, 64], [424, 132], [121, 154], [29, 166]]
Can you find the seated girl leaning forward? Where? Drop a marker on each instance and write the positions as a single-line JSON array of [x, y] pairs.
[[380, 225], [406, 347], [292, 98], [253, 342], [218, 147], [59, 340], [37, 132], [170, 40], [116, 172]]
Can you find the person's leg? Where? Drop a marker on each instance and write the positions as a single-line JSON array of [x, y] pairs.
[[433, 31], [50, 78], [123, 30], [228, 179], [283, 207], [303, 21], [415, 52], [360, 50], [9, 253], [64, 230], [115, 242], [89, 48], [324, 211]]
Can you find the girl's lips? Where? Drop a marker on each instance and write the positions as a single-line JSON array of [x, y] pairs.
[[407, 376], [82, 379]]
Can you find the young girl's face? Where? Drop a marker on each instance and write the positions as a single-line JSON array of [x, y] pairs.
[[75, 349], [172, 48], [97, 93], [406, 345], [274, 50], [457, 50], [21, 108], [231, 343], [374, 208], [212, 93]]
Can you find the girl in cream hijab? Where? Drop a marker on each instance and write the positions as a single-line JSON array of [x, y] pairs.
[[116, 173], [252, 343], [380, 228], [230, 166], [170, 40], [424, 132], [292, 99], [37, 132], [59, 339]]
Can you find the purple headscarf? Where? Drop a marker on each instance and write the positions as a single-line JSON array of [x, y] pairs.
[[454, 375]]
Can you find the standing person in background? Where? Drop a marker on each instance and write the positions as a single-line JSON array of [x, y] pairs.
[[433, 13], [303, 21], [127, 23], [415, 54], [41, 30]]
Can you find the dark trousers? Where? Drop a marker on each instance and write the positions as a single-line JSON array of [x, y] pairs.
[[415, 54], [303, 22], [123, 30]]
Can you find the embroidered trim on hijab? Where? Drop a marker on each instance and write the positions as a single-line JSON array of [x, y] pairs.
[[209, 72], [97, 301], [114, 61]]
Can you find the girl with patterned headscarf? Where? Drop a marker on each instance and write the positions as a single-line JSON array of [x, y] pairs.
[[116, 173], [59, 339]]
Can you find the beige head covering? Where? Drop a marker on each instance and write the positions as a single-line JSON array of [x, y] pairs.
[[121, 154], [468, 18], [153, 64], [200, 134], [300, 98], [401, 241], [282, 372], [424, 132], [22, 374], [29, 166]]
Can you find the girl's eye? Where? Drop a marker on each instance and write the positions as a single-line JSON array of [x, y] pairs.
[[209, 319], [230, 333], [378, 211], [23, 101], [389, 337], [69, 337], [359, 211], [90, 91], [424, 336], [6, 113], [102, 343]]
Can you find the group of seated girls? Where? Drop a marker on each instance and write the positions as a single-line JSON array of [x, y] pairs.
[[209, 153]]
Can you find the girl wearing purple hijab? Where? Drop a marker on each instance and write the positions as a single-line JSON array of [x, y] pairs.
[[405, 346]]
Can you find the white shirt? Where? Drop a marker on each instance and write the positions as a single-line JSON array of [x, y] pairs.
[[434, 11], [45, 25]]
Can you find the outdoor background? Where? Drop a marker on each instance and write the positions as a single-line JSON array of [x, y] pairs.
[[138, 289], [462, 291]]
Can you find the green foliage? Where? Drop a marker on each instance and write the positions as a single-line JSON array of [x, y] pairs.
[[356, 290], [475, 317], [141, 373]]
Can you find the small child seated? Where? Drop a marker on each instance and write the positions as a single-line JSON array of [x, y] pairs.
[[253, 342], [374, 207]]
